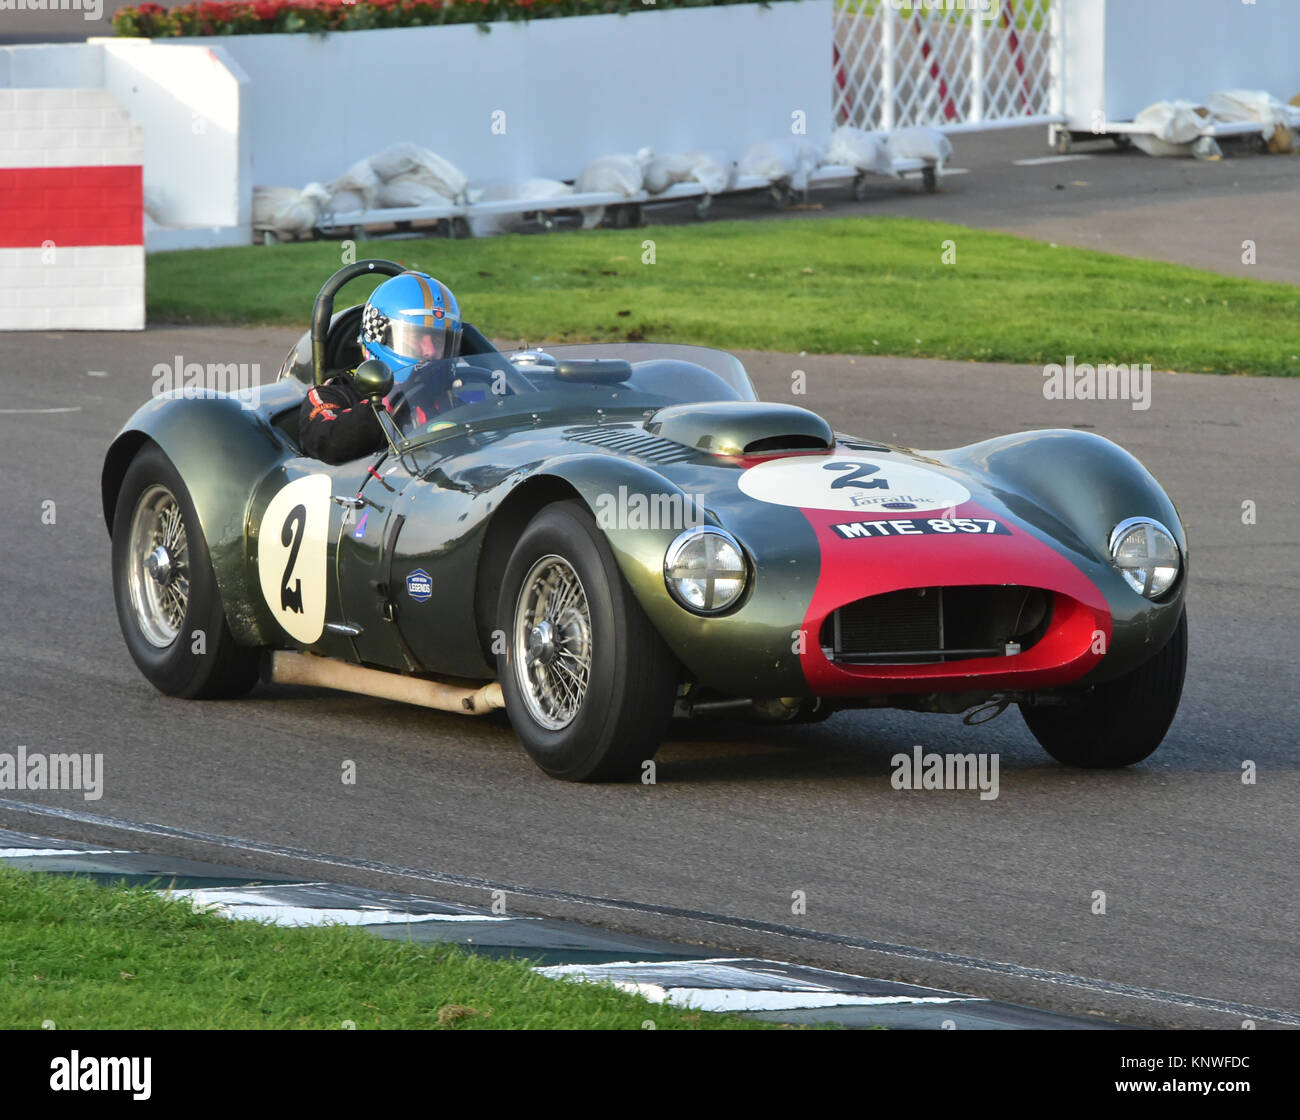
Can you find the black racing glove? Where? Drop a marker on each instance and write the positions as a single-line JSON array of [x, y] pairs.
[[336, 425]]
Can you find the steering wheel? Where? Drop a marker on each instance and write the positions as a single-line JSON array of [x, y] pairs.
[[323, 309]]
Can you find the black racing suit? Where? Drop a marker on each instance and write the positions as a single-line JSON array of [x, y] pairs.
[[336, 425]]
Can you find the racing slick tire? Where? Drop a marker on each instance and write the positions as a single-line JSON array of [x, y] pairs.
[[168, 604], [589, 684], [1120, 722]]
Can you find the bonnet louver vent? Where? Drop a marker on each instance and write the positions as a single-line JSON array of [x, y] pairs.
[[628, 439]]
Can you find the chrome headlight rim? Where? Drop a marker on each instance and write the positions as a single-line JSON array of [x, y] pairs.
[[673, 555], [1122, 530]]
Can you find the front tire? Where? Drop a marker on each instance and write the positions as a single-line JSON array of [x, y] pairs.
[[589, 684], [168, 604], [1119, 722]]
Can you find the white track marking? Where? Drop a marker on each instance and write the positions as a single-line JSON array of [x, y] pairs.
[[1049, 159], [253, 904], [719, 984]]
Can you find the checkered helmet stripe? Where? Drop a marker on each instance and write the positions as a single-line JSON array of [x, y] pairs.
[[374, 325]]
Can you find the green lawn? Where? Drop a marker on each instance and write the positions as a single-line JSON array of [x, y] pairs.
[[844, 285], [92, 957]]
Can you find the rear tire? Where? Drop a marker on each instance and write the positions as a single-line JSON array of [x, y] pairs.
[[1119, 722], [589, 684], [173, 622]]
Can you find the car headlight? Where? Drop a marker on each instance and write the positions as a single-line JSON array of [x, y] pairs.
[[705, 570], [1146, 555]]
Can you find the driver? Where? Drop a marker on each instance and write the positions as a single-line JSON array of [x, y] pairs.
[[408, 320]]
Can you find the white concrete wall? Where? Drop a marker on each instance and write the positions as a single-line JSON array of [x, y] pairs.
[[51, 66], [570, 89], [71, 251], [1123, 55], [190, 100]]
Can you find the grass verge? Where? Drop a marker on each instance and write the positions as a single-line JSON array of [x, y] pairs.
[[91, 957], [843, 285]]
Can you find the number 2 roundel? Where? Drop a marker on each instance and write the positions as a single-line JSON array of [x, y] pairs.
[[292, 556], [880, 486]]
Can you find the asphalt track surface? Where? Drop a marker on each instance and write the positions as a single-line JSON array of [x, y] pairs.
[[939, 888]]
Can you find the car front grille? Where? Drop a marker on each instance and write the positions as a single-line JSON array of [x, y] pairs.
[[937, 624]]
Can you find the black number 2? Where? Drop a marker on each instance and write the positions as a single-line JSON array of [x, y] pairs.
[[294, 524], [861, 471]]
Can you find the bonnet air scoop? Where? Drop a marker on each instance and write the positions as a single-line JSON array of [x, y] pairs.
[[742, 427]]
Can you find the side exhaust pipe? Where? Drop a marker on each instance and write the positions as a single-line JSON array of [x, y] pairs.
[[286, 667]]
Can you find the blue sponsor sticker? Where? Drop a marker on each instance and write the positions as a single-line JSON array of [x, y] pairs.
[[419, 585], [360, 532]]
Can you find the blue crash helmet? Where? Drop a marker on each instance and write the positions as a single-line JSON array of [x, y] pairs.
[[410, 319]]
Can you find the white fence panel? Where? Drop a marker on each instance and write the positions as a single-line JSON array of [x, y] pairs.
[[963, 63]]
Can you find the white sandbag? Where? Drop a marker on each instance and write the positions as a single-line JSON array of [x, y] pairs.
[[395, 160], [345, 202], [615, 174], [411, 189], [663, 171], [861, 150], [1206, 147], [919, 142], [410, 161], [1176, 122], [529, 190], [780, 161], [288, 211], [1154, 146], [1235, 105], [359, 180], [713, 172]]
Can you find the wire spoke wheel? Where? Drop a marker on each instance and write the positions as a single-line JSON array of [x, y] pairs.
[[552, 642], [158, 576]]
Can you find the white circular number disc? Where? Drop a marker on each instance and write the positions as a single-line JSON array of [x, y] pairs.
[[292, 556], [852, 483]]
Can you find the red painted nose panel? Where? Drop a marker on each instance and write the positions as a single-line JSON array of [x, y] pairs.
[[883, 551]]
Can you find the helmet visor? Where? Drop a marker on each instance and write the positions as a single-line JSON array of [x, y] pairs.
[[421, 343]]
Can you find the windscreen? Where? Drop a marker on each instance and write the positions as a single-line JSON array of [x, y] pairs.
[[445, 394]]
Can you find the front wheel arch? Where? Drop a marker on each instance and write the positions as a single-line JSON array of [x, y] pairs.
[[504, 529], [120, 456], [202, 659]]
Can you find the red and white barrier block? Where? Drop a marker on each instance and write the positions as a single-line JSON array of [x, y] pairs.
[[71, 212]]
